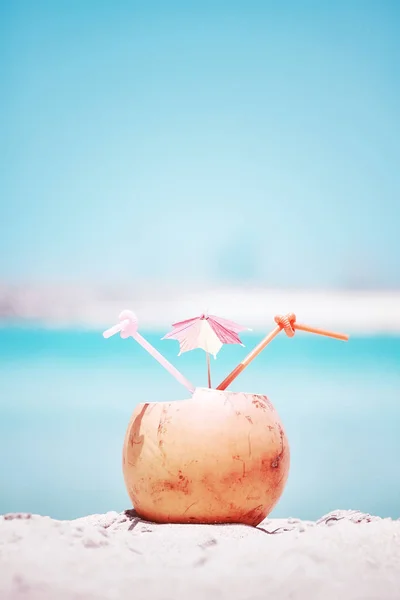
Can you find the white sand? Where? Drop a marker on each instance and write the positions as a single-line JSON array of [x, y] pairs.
[[344, 556], [157, 306]]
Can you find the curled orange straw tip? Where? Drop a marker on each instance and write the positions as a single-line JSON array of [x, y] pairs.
[[288, 324]]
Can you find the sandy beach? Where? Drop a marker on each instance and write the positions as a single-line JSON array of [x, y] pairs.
[[157, 306], [345, 554]]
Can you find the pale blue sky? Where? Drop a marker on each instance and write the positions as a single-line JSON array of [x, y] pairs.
[[243, 141]]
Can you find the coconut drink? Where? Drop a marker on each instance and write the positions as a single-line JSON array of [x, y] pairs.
[[216, 457]]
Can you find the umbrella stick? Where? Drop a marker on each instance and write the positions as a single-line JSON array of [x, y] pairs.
[[208, 369]]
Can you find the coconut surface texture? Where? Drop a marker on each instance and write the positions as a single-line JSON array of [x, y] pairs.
[[218, 457]]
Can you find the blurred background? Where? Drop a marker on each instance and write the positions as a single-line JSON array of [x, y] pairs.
[[174, 157]]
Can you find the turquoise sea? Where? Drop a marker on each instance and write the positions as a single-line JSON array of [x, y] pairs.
[[66, 398]]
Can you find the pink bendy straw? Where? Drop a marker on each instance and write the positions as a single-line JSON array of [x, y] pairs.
[[128, 327]]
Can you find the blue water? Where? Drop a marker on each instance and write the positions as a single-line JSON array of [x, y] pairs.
[[66, 398]]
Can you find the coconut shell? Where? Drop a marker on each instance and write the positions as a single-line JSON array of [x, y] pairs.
[[218, 457]]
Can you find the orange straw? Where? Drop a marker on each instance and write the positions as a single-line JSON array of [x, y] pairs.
[[286, 323]]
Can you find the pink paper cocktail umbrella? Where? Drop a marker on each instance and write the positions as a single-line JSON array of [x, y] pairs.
[[128, 327], [207, 332]]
